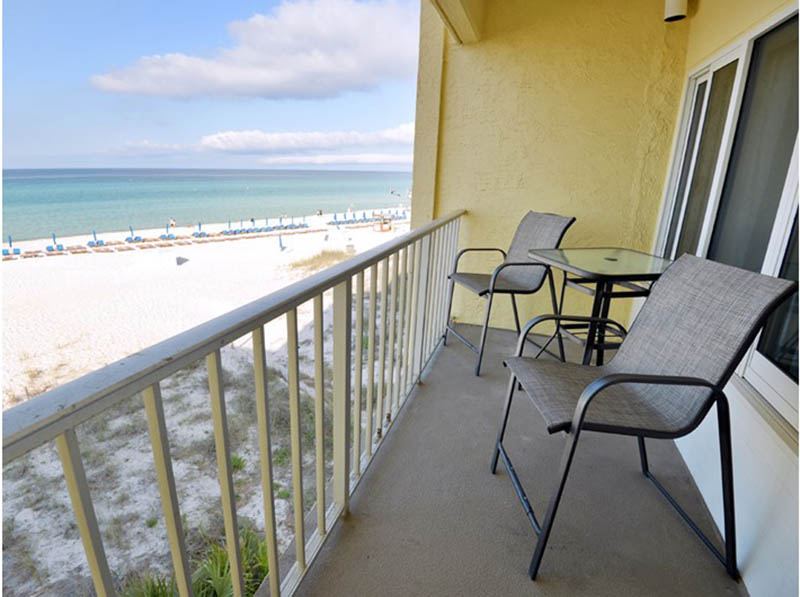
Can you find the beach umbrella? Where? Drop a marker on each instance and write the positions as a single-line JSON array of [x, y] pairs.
[[54, 239], [94, 235], [334, 216], [280, 242], [131, 229], [9, 241], [280, 220], [199, 226]]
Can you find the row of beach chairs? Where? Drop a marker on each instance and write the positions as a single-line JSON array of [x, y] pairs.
[[102, 246], [366, 220]]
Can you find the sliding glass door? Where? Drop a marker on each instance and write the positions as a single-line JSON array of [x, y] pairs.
[[735, 195]]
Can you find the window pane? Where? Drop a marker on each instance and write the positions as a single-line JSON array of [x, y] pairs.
[[779, 340], [687, 158], [714, 124], [762, 149]]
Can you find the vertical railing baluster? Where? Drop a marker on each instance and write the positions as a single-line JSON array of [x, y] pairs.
[[439, 277], [224, 471], [373, 301], [78, 488], [401, 353], [392, 326], [296, 444], [382, 349], [424, 306], [446, 244], [415, 318], [319, 412], [156, 423], [265, 446], [359, 364], [407, 348], [453, 253], [342, 314], [437, 267]]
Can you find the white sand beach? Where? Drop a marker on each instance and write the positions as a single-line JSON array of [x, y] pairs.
[[65, 316]]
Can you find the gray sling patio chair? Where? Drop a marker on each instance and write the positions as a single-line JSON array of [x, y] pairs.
[[671, 368], [517, 274]]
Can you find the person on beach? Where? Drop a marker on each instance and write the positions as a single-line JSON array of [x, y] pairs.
[[172, 223]]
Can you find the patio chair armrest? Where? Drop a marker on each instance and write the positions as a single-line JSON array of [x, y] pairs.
[[468, 250], [613, 379], [574, 318]]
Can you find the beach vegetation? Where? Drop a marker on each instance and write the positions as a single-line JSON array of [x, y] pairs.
[[212, 570], [280, 457], [151, 522], [237, 463], [324, 259]]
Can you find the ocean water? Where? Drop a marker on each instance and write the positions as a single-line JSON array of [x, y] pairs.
[[39, 203]]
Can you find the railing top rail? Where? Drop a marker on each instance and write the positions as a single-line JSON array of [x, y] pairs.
[[43, 418]]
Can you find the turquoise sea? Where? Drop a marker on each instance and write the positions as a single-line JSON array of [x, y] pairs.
[[39, 203]]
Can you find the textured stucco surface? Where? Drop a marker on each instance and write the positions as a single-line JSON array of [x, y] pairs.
[[566, 107], [429, 88], [714, 24]]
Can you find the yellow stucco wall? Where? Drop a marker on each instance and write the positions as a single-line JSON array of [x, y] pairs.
[[429, 88], [566, 107], [713, 24]]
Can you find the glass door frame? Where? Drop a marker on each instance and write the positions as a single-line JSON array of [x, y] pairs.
[[770, 382], [704, 75], [763, 375]]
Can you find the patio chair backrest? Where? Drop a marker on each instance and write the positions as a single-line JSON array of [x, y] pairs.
[[535, 231], [698, 321]]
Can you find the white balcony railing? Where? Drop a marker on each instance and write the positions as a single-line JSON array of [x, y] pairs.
[[411, 271]]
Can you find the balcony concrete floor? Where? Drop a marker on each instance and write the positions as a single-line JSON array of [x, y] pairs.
[[428, 518]]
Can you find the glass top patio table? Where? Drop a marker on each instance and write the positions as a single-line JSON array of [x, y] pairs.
[[603, 263], [601, 268]]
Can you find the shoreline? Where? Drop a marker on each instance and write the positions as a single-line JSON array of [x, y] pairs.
[[115, 241]]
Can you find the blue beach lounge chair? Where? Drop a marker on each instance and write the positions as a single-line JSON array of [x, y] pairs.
[[10, 250], [55, 246], [133, 238], [95, 242], [168, 235]]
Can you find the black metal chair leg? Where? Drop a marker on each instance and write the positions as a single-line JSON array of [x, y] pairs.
[[643, 456], [484, 333], [724, 423], [516, 313], [541, 544], [449, 309], [503, 422], [557, 311]]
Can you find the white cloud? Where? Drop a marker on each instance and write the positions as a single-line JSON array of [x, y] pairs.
[[146, 147], [384, 146], [256, 141], [302, 49], [339, 158]]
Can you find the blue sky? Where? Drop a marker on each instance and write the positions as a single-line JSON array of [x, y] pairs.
[[242, 84]]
